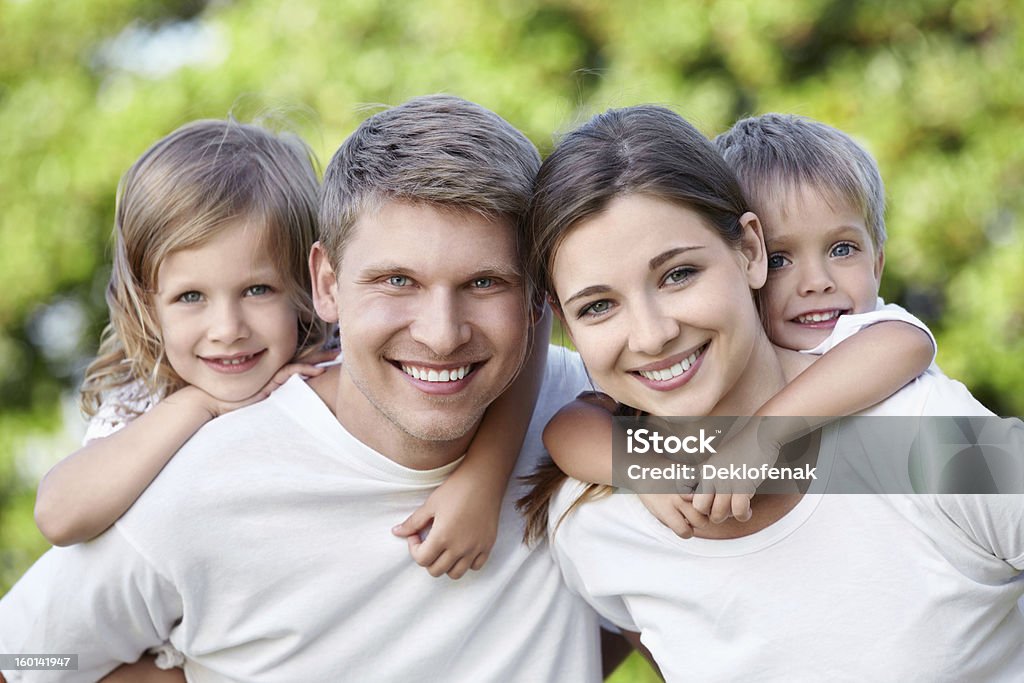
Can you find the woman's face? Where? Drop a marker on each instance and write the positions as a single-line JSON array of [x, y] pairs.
[[659, 306]]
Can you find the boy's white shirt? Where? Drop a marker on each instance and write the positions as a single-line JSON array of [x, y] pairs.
[[263, 552], [848, 325]]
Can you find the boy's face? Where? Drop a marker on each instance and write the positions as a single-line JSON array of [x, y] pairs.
[[821, 264]]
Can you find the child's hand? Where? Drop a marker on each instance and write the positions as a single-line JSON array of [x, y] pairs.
[[307, 368], [720, 499], [462, 527], [675, 511]]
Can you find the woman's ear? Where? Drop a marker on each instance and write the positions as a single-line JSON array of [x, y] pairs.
[[325, 284], [753, 251], [553, 303]]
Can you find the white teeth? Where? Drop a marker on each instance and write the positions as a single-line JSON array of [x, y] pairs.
[[233, 361], [432, 375], [818, 317], [677, 369]]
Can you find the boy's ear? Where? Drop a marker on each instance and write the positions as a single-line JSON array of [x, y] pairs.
[[325, 284], [879, 265], [752, 250]]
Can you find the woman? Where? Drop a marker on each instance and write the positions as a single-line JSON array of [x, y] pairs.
[[641, 237]]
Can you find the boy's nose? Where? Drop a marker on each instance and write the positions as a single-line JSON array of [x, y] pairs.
[[440, 324], [816, 279]]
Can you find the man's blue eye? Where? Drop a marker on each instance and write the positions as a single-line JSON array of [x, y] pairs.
[[398, 281], [483, 282]]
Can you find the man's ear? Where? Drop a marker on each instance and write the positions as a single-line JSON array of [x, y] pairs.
[[325, 284], [753, 251], [879, 265]]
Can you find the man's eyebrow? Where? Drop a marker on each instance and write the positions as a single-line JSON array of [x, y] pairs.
[[671, 253], [509, 272], [587, 291]]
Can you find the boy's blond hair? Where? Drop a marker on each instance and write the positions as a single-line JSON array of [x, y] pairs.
[[191, 184], [776, 154]]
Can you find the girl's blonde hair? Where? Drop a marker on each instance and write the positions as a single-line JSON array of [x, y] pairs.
[[203, 177]]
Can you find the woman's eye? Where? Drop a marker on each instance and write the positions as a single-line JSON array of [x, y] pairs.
[[776, 261], [190, 298], [596, 308], [399, 281], [257, 290], [679, 275], [483, 283], [843, 249]]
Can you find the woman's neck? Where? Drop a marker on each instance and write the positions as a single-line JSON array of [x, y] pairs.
[[762, 377]]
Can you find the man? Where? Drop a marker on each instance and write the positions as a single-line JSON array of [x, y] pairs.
[[263, 550]]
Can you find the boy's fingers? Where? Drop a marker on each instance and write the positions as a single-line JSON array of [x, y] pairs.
[[721, 509], [741, 507], [694, 517], [702, 501], [680, 526]]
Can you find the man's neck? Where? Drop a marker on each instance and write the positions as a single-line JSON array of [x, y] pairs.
[[363, 421]]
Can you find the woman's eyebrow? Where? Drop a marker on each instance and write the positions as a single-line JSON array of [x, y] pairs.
[[587, 291], [671, 253]]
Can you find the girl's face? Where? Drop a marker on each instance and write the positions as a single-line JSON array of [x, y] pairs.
[[660, 307], [227, 322]]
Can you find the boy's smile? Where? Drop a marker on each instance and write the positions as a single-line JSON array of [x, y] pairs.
[[822, 265]]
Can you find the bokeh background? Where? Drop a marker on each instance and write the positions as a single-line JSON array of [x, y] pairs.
[[932, 88]]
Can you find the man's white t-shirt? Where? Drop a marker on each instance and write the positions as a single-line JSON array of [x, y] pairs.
[[263, 552]]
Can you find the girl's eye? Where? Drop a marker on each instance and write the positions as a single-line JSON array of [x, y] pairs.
[[483, 283], [776, 261], [679, 275], [843, 249], [399, 281], [190, 298], [595, 309], [257, 290]]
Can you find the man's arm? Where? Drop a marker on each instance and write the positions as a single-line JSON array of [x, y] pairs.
[[99, 600]]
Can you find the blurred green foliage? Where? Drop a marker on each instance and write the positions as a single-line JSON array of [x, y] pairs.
[[927, 85]]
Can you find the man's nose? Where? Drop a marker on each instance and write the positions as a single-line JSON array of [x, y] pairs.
[[440, 324]]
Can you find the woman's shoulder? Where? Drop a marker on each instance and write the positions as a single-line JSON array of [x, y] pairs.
[[793, 362]]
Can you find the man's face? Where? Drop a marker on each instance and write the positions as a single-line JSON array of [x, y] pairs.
[[432, 315]]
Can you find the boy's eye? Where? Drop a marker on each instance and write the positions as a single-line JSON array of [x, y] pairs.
[[399, 281], [842, 249], [190, 297], [257, 290], [776, 261], [596, 308], [678, 275]]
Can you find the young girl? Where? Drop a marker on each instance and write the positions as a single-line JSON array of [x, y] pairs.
[[821, 204], [210, 310]]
